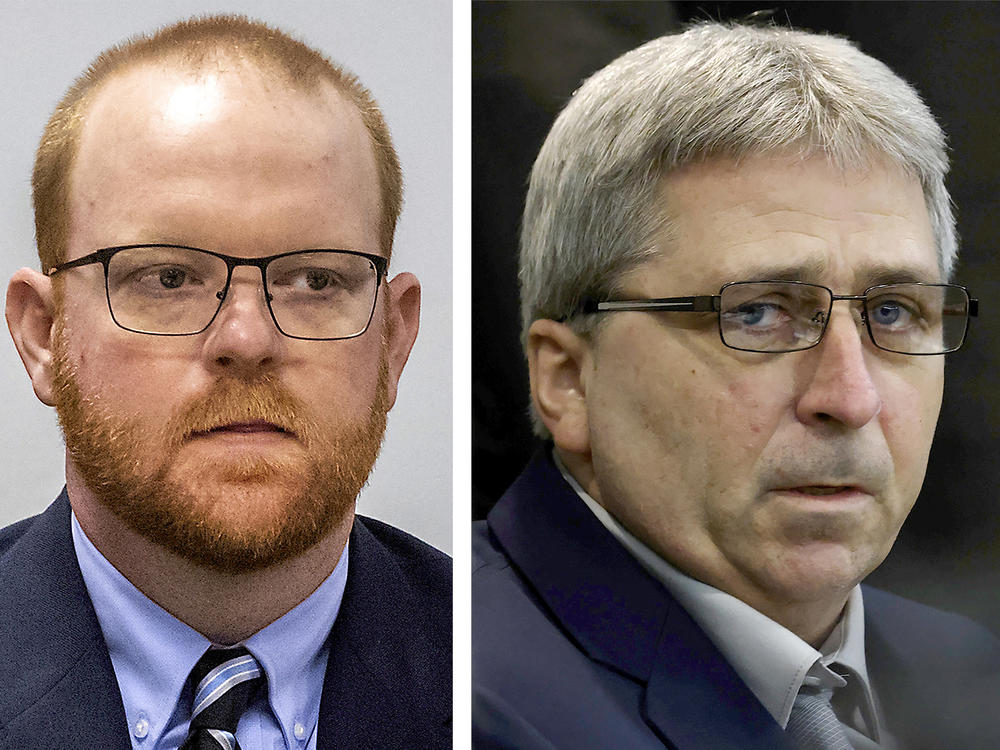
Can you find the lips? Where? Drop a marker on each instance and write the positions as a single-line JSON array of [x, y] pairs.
[[257, 426], [832, 491], [823, 489], [828, 472]]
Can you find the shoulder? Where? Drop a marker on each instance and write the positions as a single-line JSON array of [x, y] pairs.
[[388, 680], [904, 637], [10, 535], [422, 566], [485, 552], [386, 562], [937, 673], [533, 685], [915, 625], [498, 586], [514, 631]]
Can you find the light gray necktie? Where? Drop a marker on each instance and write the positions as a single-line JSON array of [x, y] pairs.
[[813, 725]]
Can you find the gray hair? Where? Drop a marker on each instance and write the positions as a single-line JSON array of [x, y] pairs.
[[592, 210]]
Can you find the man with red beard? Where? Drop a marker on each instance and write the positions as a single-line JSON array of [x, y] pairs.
[[213, 322]]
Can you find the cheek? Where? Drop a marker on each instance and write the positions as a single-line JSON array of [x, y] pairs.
[[340, 379], [637, 428], [909, 415], [750, 411], [134, 380], [697, 427]]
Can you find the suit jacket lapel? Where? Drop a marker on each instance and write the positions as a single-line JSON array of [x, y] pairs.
[[696, 700], [623, 618], [380, 665], [887, 667], [59, 688]]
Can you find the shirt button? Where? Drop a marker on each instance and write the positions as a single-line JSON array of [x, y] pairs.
[[299, 731], [141, 727]]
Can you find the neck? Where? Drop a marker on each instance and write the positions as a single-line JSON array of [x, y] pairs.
[[812, 620], [226, 608]]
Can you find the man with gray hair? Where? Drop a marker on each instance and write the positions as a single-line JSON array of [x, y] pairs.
[[735, 264]]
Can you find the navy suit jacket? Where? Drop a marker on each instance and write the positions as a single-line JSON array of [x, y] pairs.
[[388, 680], [576, 646]]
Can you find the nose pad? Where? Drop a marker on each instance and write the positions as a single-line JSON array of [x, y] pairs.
[[822, 319], [241, 276], [223, 293], [840, 388], [244, 337]]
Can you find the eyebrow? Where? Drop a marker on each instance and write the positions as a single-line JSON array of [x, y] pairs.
[[882, 274], [868, 275], [810, 271]]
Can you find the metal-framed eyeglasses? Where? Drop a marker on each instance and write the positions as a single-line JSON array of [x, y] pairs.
[[790, 316], [175, 290]]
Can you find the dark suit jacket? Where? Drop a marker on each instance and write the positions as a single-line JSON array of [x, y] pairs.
[[388, 681], [576, 646]]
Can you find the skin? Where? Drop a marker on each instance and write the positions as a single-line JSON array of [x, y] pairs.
[[233, 161], [782, 479]]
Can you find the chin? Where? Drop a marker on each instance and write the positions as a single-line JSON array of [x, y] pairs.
[[240, 525], [821, 570]]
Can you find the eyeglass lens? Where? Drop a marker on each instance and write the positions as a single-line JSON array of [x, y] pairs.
[[319, 294], [787, 316]]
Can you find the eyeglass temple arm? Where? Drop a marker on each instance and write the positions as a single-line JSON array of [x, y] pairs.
[[84, 261], [972, 311], [703, 303]]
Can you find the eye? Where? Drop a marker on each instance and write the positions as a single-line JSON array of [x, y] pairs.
[[317, 279], [172, 278], [156, 279], [310, 279], [757, 314], [313, 278], [891, 313]]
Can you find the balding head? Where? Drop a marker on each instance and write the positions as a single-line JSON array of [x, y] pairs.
[[201, 47]]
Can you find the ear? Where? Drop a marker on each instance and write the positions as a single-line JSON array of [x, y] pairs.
[[558, 364], [30, 318], [403, 320]]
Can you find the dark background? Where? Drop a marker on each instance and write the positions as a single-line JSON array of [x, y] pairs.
[[528, 57]]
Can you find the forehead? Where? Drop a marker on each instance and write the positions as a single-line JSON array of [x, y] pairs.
[[778, 217], [226, 136]]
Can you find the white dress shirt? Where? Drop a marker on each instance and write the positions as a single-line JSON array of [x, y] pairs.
[[772, 661]]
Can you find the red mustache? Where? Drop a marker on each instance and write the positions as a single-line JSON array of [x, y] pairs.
[[236, 402]]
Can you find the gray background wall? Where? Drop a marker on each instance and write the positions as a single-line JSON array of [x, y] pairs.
[[402, 52], [527, 59]]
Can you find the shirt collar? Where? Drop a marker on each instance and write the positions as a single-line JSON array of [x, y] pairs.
[[153, 652], [295, 674], [772, 661]]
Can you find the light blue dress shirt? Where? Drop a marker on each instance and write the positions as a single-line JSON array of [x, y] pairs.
[[153, 653]]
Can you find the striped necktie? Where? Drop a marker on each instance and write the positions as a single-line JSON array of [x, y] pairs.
[[813, 725], [225, 681]]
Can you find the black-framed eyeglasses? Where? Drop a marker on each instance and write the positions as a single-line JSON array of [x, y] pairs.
[[789, 316], [175, 290]]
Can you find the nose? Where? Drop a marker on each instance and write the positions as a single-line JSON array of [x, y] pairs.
[[243, 340], [839, 386]]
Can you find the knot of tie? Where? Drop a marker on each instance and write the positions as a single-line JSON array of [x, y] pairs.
[[813, 725], [224, 682]]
